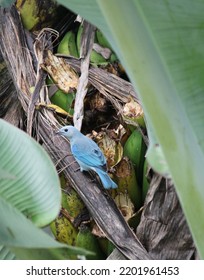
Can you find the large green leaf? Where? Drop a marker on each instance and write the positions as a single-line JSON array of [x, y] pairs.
[[29, 188], [5, 254], [27, 241], [6, 3], [160, 43], [31, 183]]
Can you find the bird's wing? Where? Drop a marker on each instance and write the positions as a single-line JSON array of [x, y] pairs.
[[89, 154]]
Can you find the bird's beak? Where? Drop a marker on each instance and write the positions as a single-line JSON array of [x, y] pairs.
[[58, 132]]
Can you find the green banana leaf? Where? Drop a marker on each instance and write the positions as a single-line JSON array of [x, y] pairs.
[[29, 188], [160, 44], [31, 183], [26, 241], [5, 253], [6, 3]]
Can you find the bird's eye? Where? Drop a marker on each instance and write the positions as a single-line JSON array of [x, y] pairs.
[[96, 151], [66, 129]]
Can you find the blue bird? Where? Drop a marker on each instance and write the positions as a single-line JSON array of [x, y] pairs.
[[87, 154]]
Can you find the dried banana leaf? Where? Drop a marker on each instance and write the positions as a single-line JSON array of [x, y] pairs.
[[163, 229]]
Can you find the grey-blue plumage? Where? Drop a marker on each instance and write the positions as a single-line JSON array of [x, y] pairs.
[[88, 155]]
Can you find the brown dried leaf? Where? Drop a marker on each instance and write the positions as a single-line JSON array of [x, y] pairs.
[[61, 72], [125, 205], [54, 108], [105, 52], [97, 231], [112, 150], [163, 229], [133, 111], [98, 102]]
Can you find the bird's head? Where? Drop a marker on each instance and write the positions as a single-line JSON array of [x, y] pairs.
[[67, 131]]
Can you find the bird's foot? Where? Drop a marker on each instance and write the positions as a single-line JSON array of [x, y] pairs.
[[76, 170]]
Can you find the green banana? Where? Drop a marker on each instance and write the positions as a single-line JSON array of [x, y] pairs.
[[102, 40], [106, 246], [62, 99], [135, 149], [95, 57], [127, 182], [63, 230], [85, 239], [68, 45], [113, 57], [74, 205], [37, 14]]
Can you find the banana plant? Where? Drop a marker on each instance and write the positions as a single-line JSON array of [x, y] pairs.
[[160, 44]]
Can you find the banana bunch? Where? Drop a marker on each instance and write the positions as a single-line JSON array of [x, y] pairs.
[[103, 42], [62, 227], [135, 149], [71, 44], [95, 57]]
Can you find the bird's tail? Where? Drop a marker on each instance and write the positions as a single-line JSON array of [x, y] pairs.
[[105, 179]]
